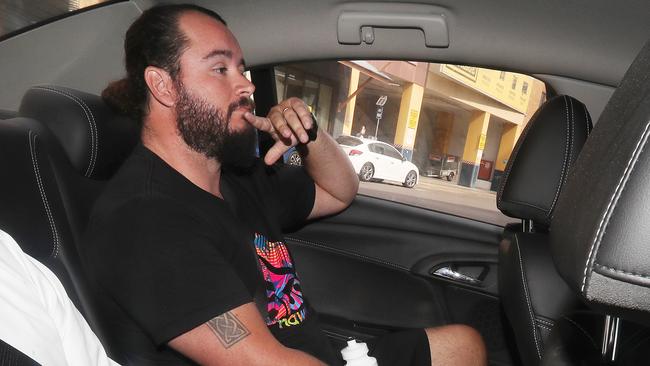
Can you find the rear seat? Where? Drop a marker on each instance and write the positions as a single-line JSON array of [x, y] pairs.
[[56, 157]]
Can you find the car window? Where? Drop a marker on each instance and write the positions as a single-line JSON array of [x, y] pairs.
[[348, 141], [454, 126], [390, 151], [376, 148]]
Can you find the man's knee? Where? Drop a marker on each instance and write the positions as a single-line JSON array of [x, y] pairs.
[[458, 342]]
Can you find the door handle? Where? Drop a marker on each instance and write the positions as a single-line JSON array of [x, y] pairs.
[[449, 273]]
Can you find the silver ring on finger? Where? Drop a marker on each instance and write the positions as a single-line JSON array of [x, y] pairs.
[[285, 109]]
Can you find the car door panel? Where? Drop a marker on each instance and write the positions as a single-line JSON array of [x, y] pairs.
[[369, 269]]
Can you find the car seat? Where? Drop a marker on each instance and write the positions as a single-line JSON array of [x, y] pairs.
[[599, 234], [532, 294]]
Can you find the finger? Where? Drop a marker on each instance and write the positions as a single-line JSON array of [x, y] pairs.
[[296, 125], [275, 152], [261, 123], [279, 123], [301, 109]]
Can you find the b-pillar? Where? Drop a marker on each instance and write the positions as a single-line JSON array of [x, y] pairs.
[[407, 121], [509, 137], [474, 145]]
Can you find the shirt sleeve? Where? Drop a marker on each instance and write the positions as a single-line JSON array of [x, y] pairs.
[[294, 193], [162, 265]]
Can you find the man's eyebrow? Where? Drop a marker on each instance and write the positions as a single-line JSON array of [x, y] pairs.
[[225, 53], [215, 53]]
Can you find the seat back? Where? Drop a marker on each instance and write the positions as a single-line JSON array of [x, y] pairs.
[[57, 156], [532, 294], [599, 236]]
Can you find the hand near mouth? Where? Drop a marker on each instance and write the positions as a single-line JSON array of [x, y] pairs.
[[287, 123]]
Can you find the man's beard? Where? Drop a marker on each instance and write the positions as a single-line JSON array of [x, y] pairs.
[[204, 128]]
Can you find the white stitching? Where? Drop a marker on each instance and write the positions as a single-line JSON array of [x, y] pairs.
[[621, 271], [613, 200], [567, 149], [39, 182], [91, 122], [530, 307], [540, 325], [588, 119], [346, 252], [583, 331], [547, 322]]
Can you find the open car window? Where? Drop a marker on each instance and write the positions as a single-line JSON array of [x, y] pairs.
[[455, 126]]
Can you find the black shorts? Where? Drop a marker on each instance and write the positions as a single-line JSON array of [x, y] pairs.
[[405, 348]]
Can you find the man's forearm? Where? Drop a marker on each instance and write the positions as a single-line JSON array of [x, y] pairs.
[[330, 168]]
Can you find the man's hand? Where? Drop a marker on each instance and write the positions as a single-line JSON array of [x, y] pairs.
[[287, 123]]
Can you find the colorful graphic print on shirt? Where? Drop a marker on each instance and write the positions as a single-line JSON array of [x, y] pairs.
[[285, 304]]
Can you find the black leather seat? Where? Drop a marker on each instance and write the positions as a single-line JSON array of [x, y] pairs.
[[533, 295], [599, 236], [59, 153]]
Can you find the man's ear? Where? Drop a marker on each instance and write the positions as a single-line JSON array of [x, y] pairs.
[[160, 85]]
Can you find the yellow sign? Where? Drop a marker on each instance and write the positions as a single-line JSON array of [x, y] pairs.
[[509, 88], [414, 115], [481, 141]]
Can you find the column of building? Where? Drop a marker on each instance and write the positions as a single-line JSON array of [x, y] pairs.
[[473, 151]]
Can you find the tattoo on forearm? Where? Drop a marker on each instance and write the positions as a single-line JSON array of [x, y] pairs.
[[228, 329]]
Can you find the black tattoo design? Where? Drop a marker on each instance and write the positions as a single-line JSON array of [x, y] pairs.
[[228, 329]]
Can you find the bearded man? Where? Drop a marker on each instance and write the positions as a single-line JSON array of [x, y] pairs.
[[187, 239]]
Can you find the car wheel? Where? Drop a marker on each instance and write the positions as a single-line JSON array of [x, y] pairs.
[[367, 171], [411, 179], [295, 159], [450, 177]]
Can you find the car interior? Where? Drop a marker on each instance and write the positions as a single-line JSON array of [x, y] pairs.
[[565, 284]]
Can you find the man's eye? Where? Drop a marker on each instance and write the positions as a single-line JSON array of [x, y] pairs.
[[220, 70]]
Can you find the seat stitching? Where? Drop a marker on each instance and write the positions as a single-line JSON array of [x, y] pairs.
[[346, 252], [512, 159], [588, 119], [46, 204], [547, 322], [544, 326], [613, 200], [567, 147], [528, 303], [593, 343], [90, 118], [621, 271]]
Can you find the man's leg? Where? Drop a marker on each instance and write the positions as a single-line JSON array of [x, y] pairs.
[[453, 345]]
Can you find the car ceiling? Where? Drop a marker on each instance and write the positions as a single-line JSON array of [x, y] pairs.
[[593, 40], [578, 47]]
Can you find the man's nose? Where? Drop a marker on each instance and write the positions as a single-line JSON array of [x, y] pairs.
[[246, 88]]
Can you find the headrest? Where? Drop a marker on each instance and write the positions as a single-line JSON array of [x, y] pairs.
[[95, 138], [600, 235], [541, 160]]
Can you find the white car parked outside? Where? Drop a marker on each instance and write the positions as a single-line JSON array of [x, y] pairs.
[[376, 160]]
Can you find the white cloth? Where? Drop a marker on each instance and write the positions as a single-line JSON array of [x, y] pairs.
[[36, 315]]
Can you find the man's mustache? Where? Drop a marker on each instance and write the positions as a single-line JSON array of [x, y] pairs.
[[243, 102]]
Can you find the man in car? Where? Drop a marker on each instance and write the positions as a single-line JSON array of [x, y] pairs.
[[187, 238]]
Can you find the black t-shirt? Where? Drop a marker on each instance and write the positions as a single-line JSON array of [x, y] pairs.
[[170, 256]]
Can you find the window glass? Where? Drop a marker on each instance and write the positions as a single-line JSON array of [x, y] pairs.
[[348, 141], [454, 125], [390, 151]]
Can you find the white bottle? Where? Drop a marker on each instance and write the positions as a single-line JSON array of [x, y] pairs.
[[356, 354]]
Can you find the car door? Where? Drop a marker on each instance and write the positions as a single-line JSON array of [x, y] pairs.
[[379, 160], [385, 264], [397, 169]]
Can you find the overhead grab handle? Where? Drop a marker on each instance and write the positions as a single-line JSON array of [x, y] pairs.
[[351, 24]]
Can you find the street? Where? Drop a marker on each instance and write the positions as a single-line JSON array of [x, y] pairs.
[[440, 195]]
